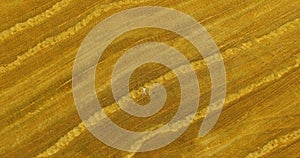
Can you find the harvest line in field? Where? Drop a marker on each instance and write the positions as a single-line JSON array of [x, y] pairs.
[[50, 41], [33, 21], [275, 143]]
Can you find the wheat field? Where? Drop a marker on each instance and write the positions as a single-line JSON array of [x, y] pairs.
[[259, 43]]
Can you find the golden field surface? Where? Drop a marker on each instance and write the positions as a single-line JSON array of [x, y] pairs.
[[259, 42]]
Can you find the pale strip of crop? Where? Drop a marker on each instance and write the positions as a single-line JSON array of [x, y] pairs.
[[34, 21], [275, 143], [50, 41]]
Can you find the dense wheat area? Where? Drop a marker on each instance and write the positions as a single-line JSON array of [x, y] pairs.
[[259, 42]]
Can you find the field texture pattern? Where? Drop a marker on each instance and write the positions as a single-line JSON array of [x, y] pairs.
[[259, 42]]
